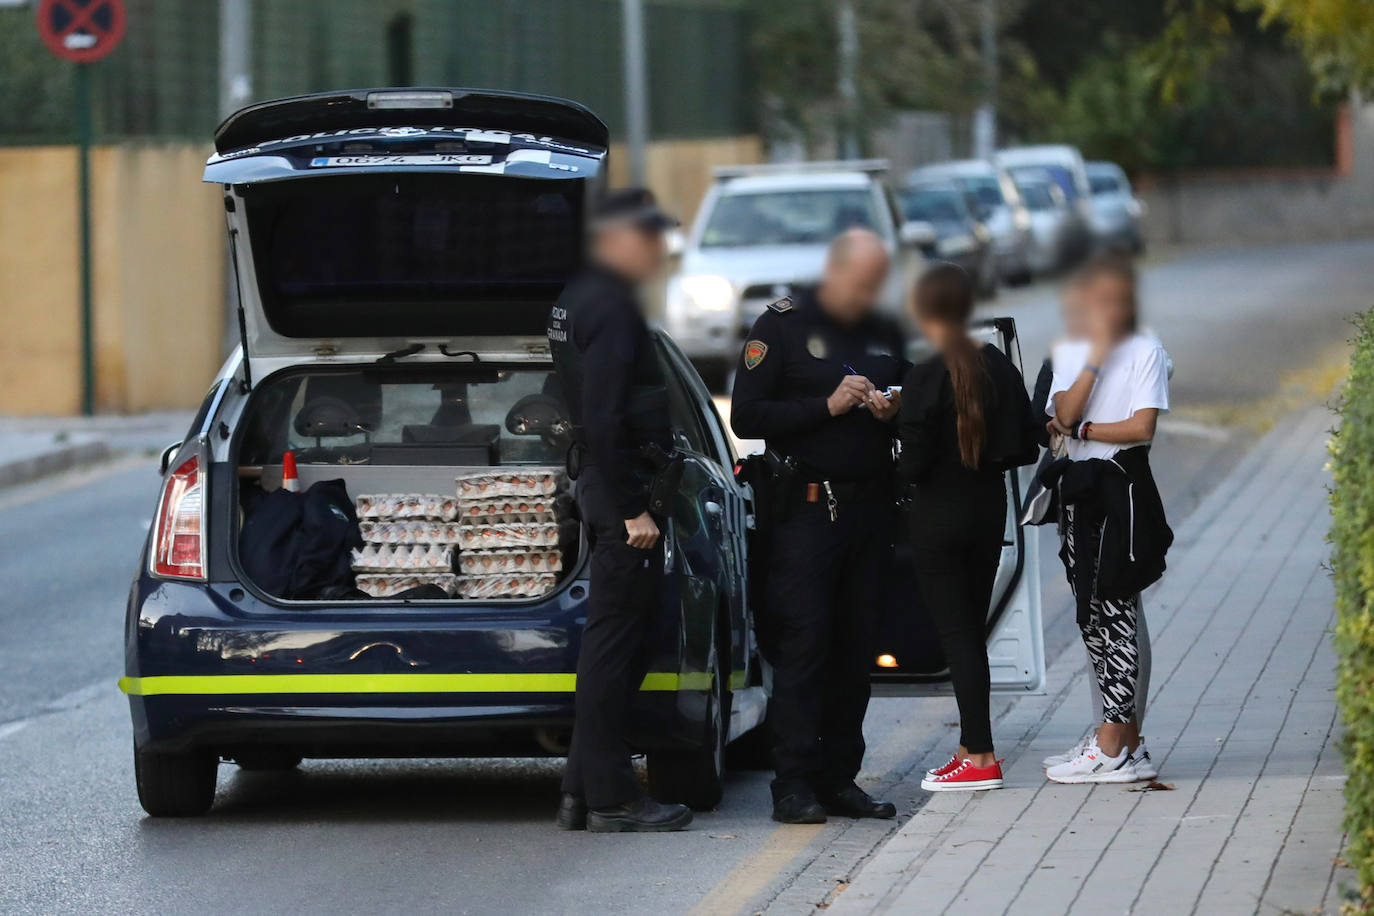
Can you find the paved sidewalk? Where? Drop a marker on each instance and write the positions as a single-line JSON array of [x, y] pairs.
[[34, 447], [1242, 719]]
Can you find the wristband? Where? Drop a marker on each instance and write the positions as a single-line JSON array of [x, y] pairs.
[[1084, 429], [1095, 370]]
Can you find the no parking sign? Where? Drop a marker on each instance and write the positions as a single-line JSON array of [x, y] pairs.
[[82, 31]]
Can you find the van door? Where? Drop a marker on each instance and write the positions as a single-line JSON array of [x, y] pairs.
[[909, 661]]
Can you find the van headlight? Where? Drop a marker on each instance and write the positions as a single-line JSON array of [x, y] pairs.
[[707, 292]]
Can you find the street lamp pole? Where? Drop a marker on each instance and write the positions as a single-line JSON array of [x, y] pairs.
[[636, 90], [985, 119], [848, 86]]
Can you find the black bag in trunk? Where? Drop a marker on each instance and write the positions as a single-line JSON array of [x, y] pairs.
[[296, 545]]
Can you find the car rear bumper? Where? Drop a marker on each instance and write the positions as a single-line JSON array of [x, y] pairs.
[[465, 681]]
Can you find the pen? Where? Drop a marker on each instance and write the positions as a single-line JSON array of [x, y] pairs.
[[850, 369]]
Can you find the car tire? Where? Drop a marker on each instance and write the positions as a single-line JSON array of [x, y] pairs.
[[268, 760], [696, 778], [175, 785]]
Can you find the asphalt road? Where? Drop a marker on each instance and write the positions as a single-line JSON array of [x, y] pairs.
[[474, 836]]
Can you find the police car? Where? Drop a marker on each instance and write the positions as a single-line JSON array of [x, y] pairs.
[[396, 252]]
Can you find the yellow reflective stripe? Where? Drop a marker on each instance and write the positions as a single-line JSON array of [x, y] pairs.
[[737, 680], [387, 683]]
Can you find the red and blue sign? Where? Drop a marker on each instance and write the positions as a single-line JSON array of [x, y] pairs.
[[82, 31]]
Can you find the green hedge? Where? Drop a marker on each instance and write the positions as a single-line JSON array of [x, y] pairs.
[[1352, 561]]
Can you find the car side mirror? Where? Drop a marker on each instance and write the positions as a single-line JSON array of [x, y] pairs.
[[917, 233], [674, 242], [168, 454]]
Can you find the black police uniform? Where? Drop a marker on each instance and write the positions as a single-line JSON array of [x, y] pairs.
[[618, 402], [826, 573]]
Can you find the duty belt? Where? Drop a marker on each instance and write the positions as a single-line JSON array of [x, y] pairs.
[[836, 492]]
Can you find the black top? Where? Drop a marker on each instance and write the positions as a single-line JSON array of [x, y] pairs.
[[612, 380], [793, 360], [929, 431]]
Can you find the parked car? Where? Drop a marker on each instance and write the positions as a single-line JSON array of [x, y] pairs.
[[960, 237], [1049, 247], [760, 233], [1116, 212], [998, 207], [1065, 167], [397, 253]]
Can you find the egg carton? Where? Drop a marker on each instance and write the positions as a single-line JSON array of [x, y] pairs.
[[490, 562], [409, 532], [509, 509], [388, 558], [386, 586], [407, 506], [500, 482], [504, 536], [506, 586]]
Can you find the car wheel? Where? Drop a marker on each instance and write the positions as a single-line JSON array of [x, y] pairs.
[[696, 778], [268, 760], [175, 785]]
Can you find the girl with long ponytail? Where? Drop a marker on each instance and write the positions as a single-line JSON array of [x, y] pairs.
[[965, 420]]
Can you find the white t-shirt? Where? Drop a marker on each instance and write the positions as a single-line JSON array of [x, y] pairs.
[[1134, 376]]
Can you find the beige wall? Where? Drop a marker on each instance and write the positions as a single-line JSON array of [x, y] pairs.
[[158, 279], [158, 253]]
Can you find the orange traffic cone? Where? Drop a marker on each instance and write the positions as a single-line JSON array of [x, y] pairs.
[[289, 480]]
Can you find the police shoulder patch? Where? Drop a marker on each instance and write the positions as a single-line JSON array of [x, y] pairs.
[[754, 352], [782, 306]]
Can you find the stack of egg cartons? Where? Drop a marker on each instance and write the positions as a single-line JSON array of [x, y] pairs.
[[507, 532], [408, 540]]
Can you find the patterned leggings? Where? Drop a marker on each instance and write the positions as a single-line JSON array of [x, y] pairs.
[[1110, 635]]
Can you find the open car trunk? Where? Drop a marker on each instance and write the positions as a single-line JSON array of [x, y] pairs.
[[454, 471]]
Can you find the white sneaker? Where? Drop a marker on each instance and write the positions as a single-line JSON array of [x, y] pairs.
[[1055, 760], [1142, 764], [1092, 765]]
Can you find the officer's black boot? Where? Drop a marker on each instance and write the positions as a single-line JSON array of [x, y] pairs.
[[643, 815], [851, 801], [798, 808], [572, 813]]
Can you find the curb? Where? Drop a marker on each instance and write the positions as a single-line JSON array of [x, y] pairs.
[[54, 461]]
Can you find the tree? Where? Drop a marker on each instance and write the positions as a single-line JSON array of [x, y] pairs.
[[1336, 37]]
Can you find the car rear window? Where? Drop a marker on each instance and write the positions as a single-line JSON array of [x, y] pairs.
[[467, 415], [1104, 183], [788, 217], [397, 254], [935, 205]]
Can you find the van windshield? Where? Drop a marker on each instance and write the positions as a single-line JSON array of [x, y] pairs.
[[397, 254], [788, 217]]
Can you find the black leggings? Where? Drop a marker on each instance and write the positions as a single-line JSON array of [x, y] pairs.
[[957, 534]]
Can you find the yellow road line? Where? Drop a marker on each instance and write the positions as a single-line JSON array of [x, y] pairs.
[[747, 879]]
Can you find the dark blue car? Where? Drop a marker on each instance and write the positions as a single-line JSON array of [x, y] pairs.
[[396, 253]]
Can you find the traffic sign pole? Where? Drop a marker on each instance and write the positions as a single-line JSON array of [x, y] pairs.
[[83, 139], [83, 31]]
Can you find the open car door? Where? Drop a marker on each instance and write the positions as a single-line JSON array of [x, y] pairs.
[[909, 660]]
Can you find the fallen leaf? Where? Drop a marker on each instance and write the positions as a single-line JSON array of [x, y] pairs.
[[724, 836], [1153, 786]]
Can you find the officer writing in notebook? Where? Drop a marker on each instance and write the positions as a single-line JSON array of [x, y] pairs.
[[617, 398], [813, 383]]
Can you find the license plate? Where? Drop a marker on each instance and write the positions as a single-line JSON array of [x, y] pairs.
[[325, 162]]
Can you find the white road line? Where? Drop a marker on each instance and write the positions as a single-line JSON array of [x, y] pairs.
[[1179, 427], [10, 728]]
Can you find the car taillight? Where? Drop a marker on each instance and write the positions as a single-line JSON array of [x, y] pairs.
[[178, 539]]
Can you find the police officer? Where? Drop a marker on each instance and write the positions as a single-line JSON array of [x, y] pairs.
[[618, 402], [812, 382]]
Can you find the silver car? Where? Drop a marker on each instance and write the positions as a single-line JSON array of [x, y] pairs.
[[1051, 229], [1116, 212], [761, 233], [1000, 209]]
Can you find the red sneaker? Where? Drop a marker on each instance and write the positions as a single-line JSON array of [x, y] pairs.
[[965, 778], [949, 767]]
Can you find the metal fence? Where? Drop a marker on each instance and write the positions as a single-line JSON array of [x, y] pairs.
[[162, 83]]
